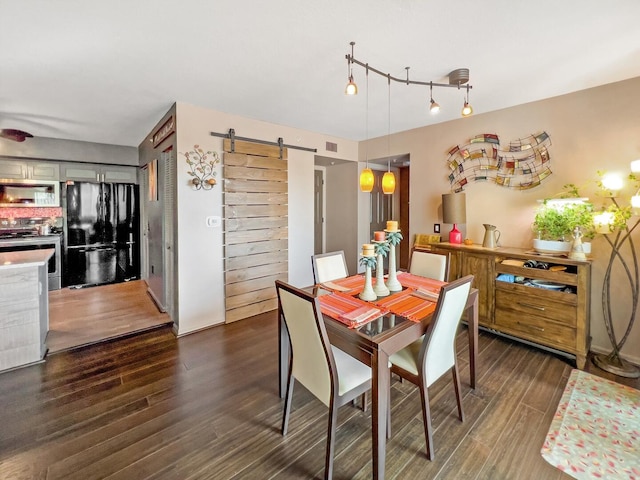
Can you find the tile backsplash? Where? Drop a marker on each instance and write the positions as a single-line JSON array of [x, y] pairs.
[[30, 212]]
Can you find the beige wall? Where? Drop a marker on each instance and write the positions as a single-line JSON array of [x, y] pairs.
[[595, 129]]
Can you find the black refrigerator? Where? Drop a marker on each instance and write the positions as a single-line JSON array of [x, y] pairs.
[[101, 243]]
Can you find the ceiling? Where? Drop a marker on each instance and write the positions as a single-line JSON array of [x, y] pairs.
[[107, 71]]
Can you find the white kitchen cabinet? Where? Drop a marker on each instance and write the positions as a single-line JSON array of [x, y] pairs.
[[90, 172], [25, 169]]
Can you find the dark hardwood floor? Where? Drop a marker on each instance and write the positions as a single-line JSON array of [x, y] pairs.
[[206, 406]]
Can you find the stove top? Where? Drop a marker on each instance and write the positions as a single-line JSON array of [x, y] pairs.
[[18, 234], [24, 234]]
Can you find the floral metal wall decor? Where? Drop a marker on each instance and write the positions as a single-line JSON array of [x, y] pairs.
[[522, 165], [202, 167]]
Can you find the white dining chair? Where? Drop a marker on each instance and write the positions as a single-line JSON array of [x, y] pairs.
[[330, 374], [329, 266], [431, 265], [429, 358]]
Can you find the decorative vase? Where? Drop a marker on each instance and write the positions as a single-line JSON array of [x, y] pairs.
[[392, 281], [367, 293], [380, 289]]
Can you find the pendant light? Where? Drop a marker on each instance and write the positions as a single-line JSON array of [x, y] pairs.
[[389, 179], [351, 88], [467, 109], [366, 176], [434, 107]]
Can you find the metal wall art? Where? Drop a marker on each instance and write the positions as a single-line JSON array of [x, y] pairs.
[[522, 165], [202, 167]]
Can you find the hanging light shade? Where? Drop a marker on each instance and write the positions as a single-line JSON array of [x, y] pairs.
[[388, 183], [351, 88], [367, 180], [467, 109], [434, 107]]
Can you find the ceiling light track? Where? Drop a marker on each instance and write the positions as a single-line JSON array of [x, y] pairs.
[[457, 78]]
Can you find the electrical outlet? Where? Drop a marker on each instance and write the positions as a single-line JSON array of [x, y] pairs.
[[436, 228]]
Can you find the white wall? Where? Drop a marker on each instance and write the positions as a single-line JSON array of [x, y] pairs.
[[70, 150], [591, 130], [200, 249]]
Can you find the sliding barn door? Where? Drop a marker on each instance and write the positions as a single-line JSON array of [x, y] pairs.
[[255, 227]]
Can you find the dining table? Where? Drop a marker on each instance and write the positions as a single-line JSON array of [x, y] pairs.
[[374, 340]]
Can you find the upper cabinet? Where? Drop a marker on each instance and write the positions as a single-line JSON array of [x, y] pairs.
[[81, 172], [30, 170], [87, 172]]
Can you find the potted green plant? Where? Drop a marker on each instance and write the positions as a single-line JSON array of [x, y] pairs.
[[556, 220]]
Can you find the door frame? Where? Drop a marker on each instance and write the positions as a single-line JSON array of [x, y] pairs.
[[324, 205]]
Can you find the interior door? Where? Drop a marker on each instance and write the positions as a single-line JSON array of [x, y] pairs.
[[154, 228]]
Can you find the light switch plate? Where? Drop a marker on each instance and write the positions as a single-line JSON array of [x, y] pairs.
[[436, 228]]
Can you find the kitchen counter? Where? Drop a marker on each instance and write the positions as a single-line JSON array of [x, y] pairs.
[[24, 307], [25, 258]]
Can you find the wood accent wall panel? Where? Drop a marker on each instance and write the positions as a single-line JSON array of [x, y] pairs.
[[255, 227]]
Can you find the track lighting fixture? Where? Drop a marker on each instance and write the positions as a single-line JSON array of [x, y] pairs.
[[434, 107], [366, 176], [351, 88], [467, 109], [457, 77], [389, 179]]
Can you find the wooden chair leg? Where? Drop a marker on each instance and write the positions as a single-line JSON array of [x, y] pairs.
[[426, 419], [363, 401], [331, 440], [389, 409], [287, 404], [456, 386]]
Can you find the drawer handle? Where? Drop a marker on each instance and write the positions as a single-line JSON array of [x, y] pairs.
[[535, 327], [536, 307]]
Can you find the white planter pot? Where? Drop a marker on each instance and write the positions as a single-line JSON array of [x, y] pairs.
[[551, 246]]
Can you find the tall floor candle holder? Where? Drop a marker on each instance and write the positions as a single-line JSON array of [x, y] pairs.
[[394, 237]]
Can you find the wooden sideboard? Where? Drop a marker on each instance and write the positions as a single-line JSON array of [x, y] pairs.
[[517, 301]]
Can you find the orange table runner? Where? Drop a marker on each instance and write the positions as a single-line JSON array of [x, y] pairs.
[[417, 282], [408, 303], [349, 310], [351, 285]]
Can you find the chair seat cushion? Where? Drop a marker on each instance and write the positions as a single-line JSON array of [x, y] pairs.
[[407, 358], [351, 372]]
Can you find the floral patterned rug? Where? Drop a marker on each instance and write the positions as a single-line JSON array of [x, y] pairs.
[[595, 432]]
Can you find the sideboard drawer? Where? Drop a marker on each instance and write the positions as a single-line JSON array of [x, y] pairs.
[[536, 328], [559, 307]]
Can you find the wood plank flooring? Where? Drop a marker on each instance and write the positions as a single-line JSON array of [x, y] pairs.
[[206, 406], [89, 315]]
